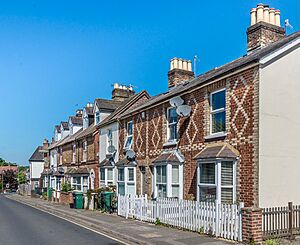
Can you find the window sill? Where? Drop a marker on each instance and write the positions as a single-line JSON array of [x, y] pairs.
[[170, 143], [83, 161], [216, 135]]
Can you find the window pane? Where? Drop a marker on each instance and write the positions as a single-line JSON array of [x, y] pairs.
[[163, 174], [158, 174], [172, 116], [130, 174], [102, 174], [129, 128], [173, 132], [218, 122], [207, 194], [218, 100], [175, 191], [161, 191], [131, 189], [121, 174], [227, 195], [109, 174], [227, 173], [128, 142], [121, 188], [175, 174], [207, 173]]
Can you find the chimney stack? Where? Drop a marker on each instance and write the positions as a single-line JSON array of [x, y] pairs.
[[79, 113], [122, 92], [180, 71], [45, 144], [265, 27]]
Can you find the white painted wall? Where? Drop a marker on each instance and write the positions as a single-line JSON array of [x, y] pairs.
[[279, 131], [103, 140], [36, 168]]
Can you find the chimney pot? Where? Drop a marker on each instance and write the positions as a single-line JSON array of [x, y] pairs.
[[272, 16], [189, 65], [266, 15], [277, 17], [253, 16], [260, 13], [184, 65]]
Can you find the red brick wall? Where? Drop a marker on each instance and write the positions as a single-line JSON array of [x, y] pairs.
[[252, 225], [149, 133]]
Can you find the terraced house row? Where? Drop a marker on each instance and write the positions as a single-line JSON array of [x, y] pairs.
[[230, 134]]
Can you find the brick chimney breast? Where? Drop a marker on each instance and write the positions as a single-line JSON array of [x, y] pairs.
[[180, 71], [122, 92], [265, 27]]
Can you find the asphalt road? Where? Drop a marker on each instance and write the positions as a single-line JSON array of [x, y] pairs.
[[24, 225]]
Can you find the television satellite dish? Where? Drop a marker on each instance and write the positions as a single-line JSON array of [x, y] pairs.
[[130, 154], [176, 101], [184, 110], [111, 149]]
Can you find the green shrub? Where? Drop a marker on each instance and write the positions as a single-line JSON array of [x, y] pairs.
[[66, 186], [272, 242]]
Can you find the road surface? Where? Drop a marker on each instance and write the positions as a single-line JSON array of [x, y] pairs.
[[24, 225]]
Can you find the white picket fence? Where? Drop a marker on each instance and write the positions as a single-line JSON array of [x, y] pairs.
[[220, 220]]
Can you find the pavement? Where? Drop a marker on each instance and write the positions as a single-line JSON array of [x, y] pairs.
[[22, 225], [128, 231]]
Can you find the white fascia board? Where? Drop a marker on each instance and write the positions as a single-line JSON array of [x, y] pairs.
[[280, 51]]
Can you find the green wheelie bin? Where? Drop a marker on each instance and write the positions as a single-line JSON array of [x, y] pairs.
[[78, 204], [108, 196], [49, 193]]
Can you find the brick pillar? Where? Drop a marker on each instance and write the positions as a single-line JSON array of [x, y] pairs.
[[252, 225]]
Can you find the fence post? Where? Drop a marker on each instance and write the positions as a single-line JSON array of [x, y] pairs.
[[252, 225], [217, 219], [290, 206]]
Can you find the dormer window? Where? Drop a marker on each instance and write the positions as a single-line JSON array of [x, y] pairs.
[[97, 117], [128, 141]]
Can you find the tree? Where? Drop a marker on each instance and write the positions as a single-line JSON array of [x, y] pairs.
[[21, 178], [10, 178]]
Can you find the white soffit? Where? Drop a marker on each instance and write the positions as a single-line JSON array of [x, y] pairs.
[[280, 51]]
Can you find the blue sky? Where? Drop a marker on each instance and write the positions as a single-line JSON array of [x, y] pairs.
[[56, 54]]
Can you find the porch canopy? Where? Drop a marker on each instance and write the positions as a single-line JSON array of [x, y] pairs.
[[108, 161], [47, 172], [169, 157], [126, 162], [77, 171], [218, 150]]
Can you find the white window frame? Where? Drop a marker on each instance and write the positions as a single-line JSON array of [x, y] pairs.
[[220, 110], [83, 186], [217, 185], [84, 151], [169, 180], [97, 117], [106, 181], [169, 125], [126, 181], [60, 156], [109, 139], [129, 135], [74, 153]]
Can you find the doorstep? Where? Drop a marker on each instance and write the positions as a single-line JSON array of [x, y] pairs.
[[129, 230]]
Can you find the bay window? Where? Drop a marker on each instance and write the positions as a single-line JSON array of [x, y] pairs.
[[106, 177], [76, 183], [171, 125], [126, 180], [168, 180], [216, 181], [80, 183], [128, 141], [217, 112]]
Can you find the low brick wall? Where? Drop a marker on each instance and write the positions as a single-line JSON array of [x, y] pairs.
[[252, 225], [66, 198]]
